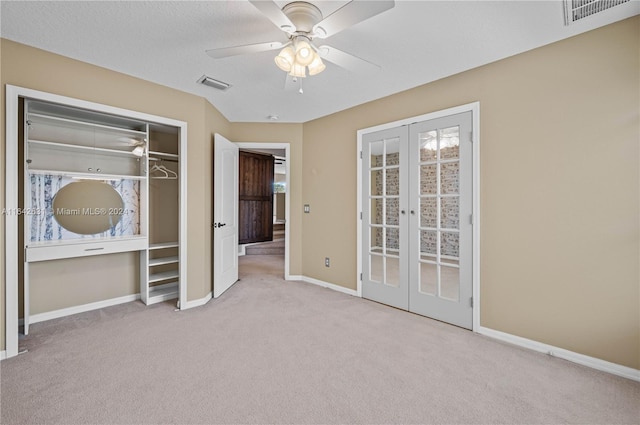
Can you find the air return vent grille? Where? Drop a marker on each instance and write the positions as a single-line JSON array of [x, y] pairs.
[[216, 84], [574, 10]]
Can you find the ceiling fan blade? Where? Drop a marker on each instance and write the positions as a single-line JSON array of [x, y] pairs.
[[346, 60], [271, 10], [350, 14], [241, 50]]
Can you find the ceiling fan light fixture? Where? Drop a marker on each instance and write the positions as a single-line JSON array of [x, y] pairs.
[[298, 70], [304, 53], [285, 59], [316, 66]]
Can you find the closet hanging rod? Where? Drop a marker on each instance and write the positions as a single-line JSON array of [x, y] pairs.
[[162, 159]]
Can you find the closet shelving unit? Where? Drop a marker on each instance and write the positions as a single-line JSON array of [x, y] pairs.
[[160, 264], [64, 142]]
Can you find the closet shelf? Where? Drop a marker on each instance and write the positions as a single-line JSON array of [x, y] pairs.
[[163, 260], [92, 176], [50, 119], [157, 277], [163, 245], [163, 292], [68, 146]]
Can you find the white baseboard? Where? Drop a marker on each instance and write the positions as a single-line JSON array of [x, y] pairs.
[[592, 362], [55, 314], [196, 303], [3, 355], [325, 284]]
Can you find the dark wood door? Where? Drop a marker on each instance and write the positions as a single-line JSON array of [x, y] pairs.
[[256, 198]]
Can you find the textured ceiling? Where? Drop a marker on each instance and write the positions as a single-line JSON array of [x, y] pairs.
[[416, 42]]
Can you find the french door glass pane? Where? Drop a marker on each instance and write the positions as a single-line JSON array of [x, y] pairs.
[[449, 243], [376, 182], [393, 271], [392, 153], [428, 179], [428, 278], [377, 153], [428, 212], [376, 239], [450, 178], [376, 270], [450, 143], [450, 283], [428, 241], [393, 240], [376, 210], [392, 181], [449, 212], [428, 146], [393, 211]]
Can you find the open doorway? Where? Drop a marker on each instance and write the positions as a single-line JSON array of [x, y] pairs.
[[271, 256]]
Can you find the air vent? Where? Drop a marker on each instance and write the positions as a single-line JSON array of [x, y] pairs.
[[216, 84], [574, 10]]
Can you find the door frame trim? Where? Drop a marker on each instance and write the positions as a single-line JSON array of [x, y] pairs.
[[287, 195], [474, 108]]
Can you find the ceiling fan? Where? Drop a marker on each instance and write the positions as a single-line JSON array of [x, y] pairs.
[[302, 22]]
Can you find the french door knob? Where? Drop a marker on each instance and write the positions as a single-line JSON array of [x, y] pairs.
[[403, 212]]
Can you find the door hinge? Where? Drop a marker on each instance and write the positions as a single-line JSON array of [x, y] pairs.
[[360, 154], [471, 136], [360, 215], [471, 219], [471, 301], [361, 276]]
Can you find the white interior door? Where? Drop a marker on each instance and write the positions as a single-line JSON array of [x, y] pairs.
[[417, 196], [440, 184], [225, 215], [384, 218]]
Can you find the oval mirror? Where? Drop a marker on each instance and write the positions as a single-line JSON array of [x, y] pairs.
[[88, 207]]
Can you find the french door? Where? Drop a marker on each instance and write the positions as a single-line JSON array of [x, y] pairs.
[[417, 223]]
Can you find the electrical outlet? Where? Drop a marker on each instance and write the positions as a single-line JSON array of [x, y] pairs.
[[307, 209], [326, 262]]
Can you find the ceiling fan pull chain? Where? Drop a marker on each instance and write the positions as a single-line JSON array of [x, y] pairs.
[[300, 91]]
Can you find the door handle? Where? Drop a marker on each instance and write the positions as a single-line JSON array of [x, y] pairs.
[[216, 225]]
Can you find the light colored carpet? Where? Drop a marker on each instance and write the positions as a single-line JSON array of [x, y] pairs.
[[270, 351], [275, 247]]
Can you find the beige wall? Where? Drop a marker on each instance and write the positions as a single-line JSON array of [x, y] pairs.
[[560, 184], [282, 133], [559, 189], [36, 69]]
